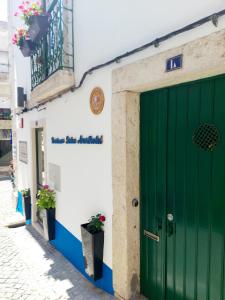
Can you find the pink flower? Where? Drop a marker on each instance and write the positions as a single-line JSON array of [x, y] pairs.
[[46, 187], [14, 39]]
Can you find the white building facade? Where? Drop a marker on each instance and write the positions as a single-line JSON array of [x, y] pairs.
[[5, 95], [99, 44]]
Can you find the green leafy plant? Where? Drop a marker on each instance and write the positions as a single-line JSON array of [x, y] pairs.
[[96, 223], [25, 192], [46, 198]]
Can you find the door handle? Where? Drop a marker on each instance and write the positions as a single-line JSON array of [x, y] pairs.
[[151, 235]]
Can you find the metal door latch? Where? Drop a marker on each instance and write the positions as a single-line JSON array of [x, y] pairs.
[[151, 235], [170, 226], [170, 217]]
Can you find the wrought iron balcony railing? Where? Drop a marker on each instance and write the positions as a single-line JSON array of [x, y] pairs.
[[55, 51]]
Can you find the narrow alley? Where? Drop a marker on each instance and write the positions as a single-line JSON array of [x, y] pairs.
[[30, 268]]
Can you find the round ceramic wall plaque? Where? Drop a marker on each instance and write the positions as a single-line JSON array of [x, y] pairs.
[[97, 100]]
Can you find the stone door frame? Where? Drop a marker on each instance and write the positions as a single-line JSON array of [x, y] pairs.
[[203, 57], [33, 126]]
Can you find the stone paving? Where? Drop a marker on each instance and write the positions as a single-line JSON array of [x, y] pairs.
[[30, 268]]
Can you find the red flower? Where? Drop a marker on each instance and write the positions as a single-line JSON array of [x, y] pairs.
[[45, 187], [101, 218]]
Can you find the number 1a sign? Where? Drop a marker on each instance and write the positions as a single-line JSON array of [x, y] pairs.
[[174, 63]]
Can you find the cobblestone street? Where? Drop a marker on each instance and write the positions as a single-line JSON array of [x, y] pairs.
[[30, 268]]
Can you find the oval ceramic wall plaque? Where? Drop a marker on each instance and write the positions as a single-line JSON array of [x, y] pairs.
[[97, 100]]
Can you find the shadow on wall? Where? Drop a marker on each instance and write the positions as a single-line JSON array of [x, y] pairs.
[[71, 248]]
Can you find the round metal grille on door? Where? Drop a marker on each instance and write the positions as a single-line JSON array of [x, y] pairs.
[[206, 137]]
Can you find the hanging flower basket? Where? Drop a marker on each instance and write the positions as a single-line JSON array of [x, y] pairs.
[[38, 27], [93, 244], [34, 17], [27, 47], [21, 39]]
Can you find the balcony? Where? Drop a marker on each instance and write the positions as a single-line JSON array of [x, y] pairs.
[[54, 54]]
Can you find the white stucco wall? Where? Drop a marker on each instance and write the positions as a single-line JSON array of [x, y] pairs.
[[5, 104], [102, 30], [20, 64], [4, 66], [105, 29], [85, 169], [4, 36]]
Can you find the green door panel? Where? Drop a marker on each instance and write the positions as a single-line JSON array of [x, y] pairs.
[[154, 110], [180, 178], [217, 208]]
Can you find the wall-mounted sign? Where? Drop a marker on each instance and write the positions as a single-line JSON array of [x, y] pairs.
[[23, 152], [81, 140], [97, 101], [174, 63]]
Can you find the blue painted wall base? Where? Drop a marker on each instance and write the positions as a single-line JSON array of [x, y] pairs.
[[71, 248], [19, 207]]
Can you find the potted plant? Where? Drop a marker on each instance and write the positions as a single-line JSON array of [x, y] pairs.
[[46, 203], [92, 242], [21, 39], [33, 15], [26, 203]]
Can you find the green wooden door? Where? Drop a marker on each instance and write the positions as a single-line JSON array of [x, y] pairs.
[[183, 191]]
